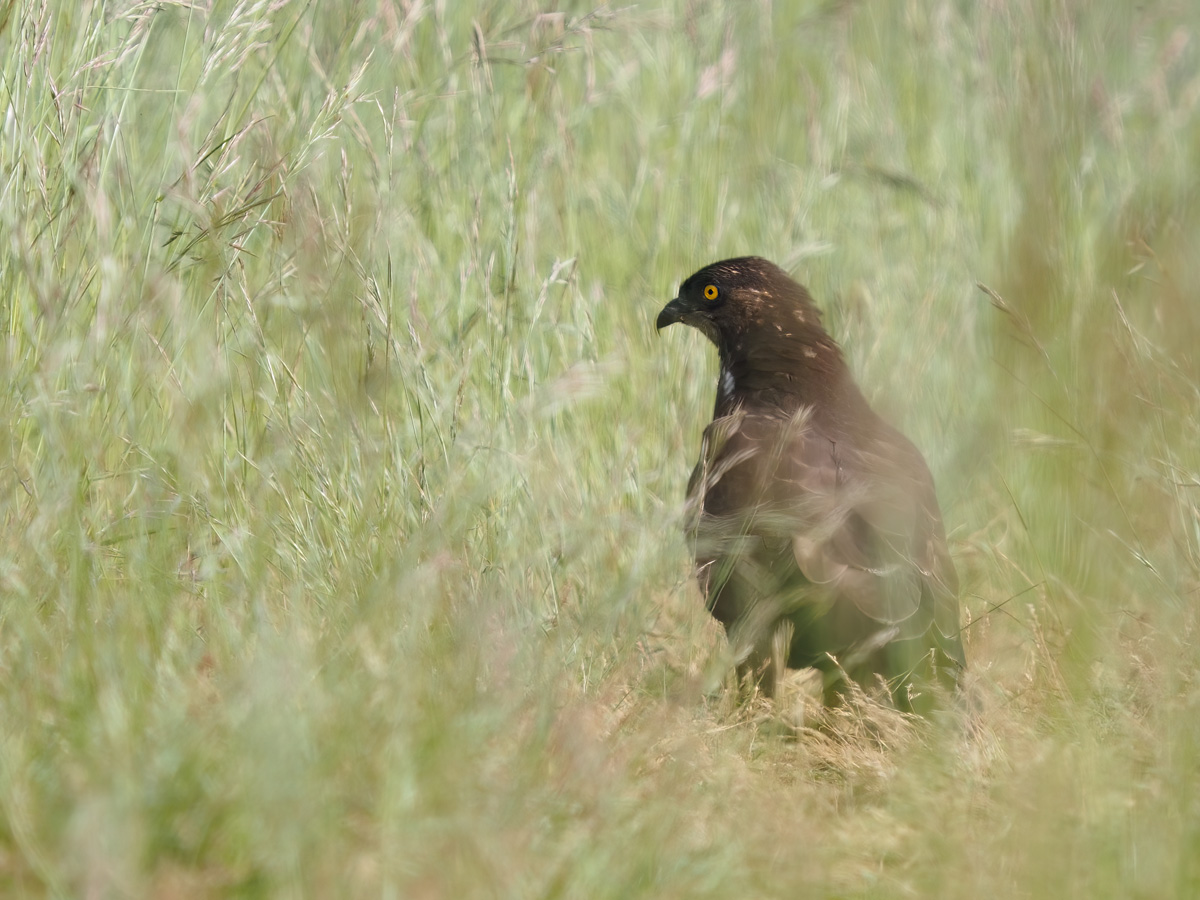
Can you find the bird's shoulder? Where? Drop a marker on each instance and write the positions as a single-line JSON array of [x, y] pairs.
[[768, 452], [763, 471], [858, 507]]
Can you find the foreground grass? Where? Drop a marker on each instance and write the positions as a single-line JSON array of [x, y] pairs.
[[342, 467]]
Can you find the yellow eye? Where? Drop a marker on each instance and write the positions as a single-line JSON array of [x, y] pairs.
[[710, 292]]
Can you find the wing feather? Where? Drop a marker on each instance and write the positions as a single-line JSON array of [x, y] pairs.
[[779, 507]]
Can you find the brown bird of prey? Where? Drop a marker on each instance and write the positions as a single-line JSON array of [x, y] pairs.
[[815, 526]]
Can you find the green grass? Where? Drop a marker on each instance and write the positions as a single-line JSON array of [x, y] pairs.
[[342, 469]]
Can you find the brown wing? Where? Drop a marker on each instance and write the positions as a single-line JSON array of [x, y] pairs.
[[789, 522], [898, 568]]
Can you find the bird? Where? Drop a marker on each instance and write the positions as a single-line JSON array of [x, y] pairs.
[[815, 527]]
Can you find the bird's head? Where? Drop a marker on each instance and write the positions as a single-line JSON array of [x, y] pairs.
[[744, 301]]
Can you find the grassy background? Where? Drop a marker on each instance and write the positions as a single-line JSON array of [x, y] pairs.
[[341, 467]]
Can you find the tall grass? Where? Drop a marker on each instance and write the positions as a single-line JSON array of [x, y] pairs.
[[342, 468]]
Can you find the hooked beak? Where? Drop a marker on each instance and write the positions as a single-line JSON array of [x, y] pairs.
[[671, 313]]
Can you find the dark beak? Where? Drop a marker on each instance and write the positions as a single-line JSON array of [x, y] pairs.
[[671, 313]]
